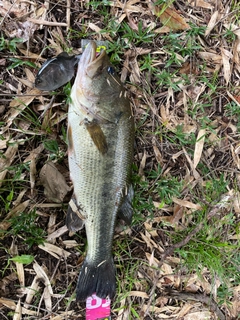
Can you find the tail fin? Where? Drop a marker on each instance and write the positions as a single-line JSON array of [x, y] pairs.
[[96, 278]]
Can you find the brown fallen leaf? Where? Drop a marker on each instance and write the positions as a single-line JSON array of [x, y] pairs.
[[142, 165], [47, 299], [127, 5], [237, 98], [43, 276], [217, 58], [54, 250], [200, 315], [55, 186], [226, 56], [31, 291], [200, 3], [189, 68], [199, 147], [18, 311], [170, 18], [19, 266], [131, 22], [211, 23], [187, 204], [138, 294]]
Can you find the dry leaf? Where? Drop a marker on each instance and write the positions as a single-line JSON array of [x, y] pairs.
[[31, 55], [51, 237], [47, 23], [70, 244], [43, 276], [235, 156], [157, 152], [187, 204], [18, 311], [33, 172], [127, 5], [210, 56], [12, 305], [199, 147], [8, 303], [138, 294], [55, 186], [31, 291], [200, 315], [152, 260], [195, 173], [233, 98], [47, 299], [200, 3], [135, 76], [19, 266], [142, 165], [55, 251], [171, 19], [211, 23], [131, 22], [226, 56]]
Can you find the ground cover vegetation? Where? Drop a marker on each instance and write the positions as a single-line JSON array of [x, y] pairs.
[[180, 63]]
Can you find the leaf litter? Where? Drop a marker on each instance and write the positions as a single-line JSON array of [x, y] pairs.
[[163, 288]]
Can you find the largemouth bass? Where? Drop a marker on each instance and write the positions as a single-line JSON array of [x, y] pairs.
[[100, 151]]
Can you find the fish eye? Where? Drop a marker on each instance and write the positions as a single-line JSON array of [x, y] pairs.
[[111, 70]]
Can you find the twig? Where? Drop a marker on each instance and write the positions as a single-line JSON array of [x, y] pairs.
[[48, 23], [68, 13]]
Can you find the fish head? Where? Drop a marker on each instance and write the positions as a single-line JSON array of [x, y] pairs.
[[96, 75]]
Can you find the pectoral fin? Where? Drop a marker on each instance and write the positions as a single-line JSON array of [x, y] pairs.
[[125, 212], [70, 140], [97, 135], [74, 219]]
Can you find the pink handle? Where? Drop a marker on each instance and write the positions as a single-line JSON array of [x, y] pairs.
[[97, 308]]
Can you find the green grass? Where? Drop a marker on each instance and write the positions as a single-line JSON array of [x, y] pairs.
[[211, 250], [9, 45], [25, 225]]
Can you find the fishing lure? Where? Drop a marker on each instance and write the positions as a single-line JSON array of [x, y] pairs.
[[56, 72]]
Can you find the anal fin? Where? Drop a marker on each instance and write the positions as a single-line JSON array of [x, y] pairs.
[[74, 219], [125, 211]]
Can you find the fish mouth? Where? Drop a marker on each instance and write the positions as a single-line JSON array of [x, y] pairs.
[[92, 60]]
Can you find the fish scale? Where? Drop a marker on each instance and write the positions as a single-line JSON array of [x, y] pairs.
[[94, 169], [100, 138]]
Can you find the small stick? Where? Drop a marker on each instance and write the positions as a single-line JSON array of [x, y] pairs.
[[68, 13], [48, 23]]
